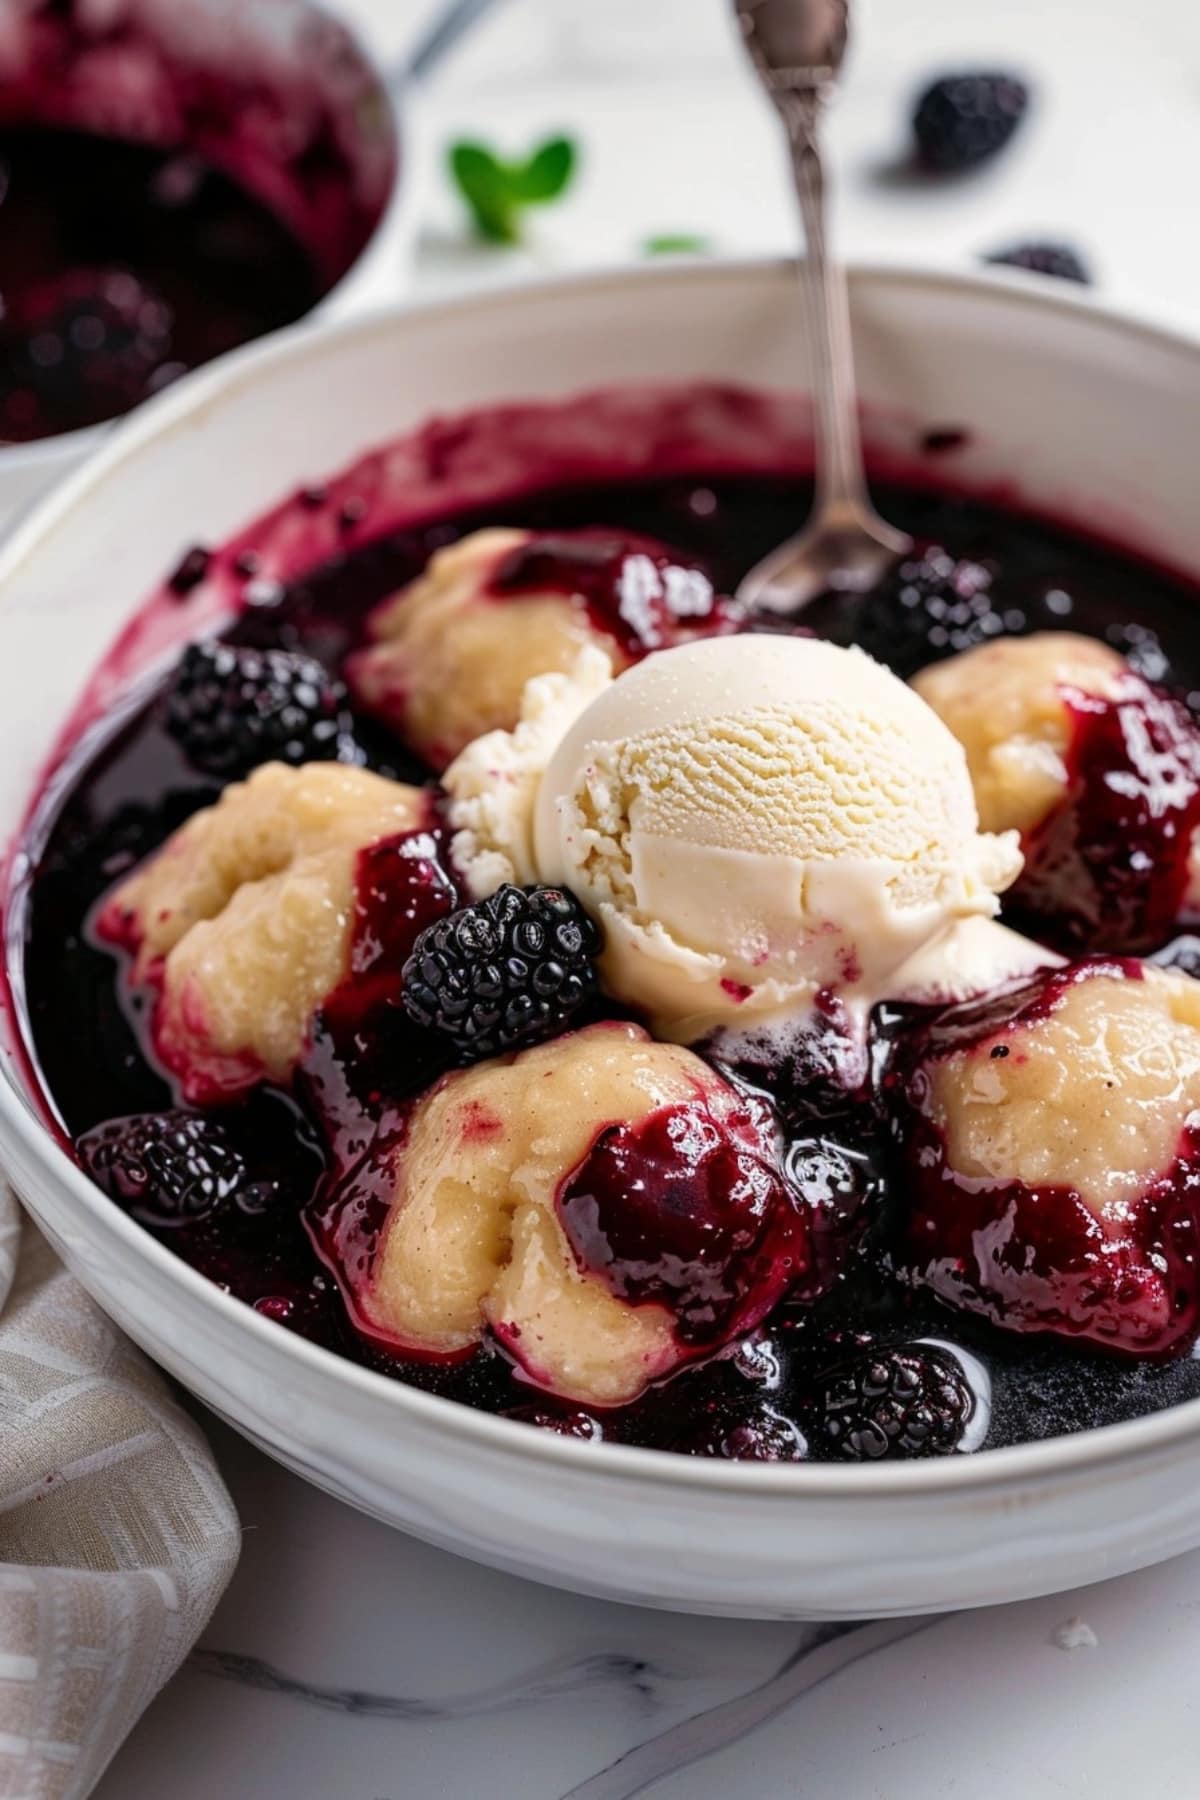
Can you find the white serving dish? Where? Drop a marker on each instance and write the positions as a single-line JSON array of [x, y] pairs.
[[1083, 413]]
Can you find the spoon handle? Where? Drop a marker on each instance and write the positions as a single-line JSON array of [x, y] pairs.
[[842, 495], [451, 23], [797, 47]]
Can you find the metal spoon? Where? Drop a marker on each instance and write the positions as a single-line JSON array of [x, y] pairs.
[[798, 47], [451, 23]]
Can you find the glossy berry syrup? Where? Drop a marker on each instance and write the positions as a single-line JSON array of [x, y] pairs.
[[687, 1213], [872, 1366], [1111, 866], [646, 600]]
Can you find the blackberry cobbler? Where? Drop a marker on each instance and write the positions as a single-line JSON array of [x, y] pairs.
[[490, 952]]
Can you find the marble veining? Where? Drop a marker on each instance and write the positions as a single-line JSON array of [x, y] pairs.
[[560, 1678], [821, 1652], [824, 1653], [348, 1662]]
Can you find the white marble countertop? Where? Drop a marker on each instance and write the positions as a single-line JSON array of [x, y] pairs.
[[348, 1661]]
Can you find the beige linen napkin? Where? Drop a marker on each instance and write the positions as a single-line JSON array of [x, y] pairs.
[[117, 1536]]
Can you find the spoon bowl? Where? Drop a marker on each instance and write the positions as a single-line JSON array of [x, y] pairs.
[[796, 43], [848, 554]]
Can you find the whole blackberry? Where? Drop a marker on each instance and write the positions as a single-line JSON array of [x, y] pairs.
[[931, 606], [899, 1403], [232, 708], [171, 1168], [508, 971], [762, 1435], [1058, 260], [962, 120]]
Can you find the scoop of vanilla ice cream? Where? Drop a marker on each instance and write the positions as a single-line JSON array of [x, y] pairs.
[[758, 819], [493, 784], [974, 957]]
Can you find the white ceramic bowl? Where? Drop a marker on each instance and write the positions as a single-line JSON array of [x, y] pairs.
[[1084, 414]]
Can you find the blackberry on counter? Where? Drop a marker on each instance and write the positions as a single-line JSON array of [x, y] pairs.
[[171, 1168], [962, 120], [930, 607], [1058, 260], [504, 973], [900, 1403], [232, 708]]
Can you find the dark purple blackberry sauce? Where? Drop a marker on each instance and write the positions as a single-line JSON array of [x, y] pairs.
[[686, 1212], [644, 599], [122, 266], [762, 1397], [1131, 810]]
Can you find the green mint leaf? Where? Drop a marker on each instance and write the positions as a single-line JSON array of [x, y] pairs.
[[485, 184], [547, 173], [677, 243], [496, 192]]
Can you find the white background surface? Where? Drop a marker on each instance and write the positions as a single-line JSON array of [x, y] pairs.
[[348, 1661]]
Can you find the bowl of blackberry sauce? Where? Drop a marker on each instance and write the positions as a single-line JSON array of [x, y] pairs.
[[175, 180]]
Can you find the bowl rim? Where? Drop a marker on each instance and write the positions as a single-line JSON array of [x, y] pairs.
[[973, 1476]]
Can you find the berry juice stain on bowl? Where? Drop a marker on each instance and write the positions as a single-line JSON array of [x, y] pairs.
[[502, 961], [174, 181]]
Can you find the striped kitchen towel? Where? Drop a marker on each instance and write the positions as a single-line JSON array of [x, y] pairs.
[[117, 1535]]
